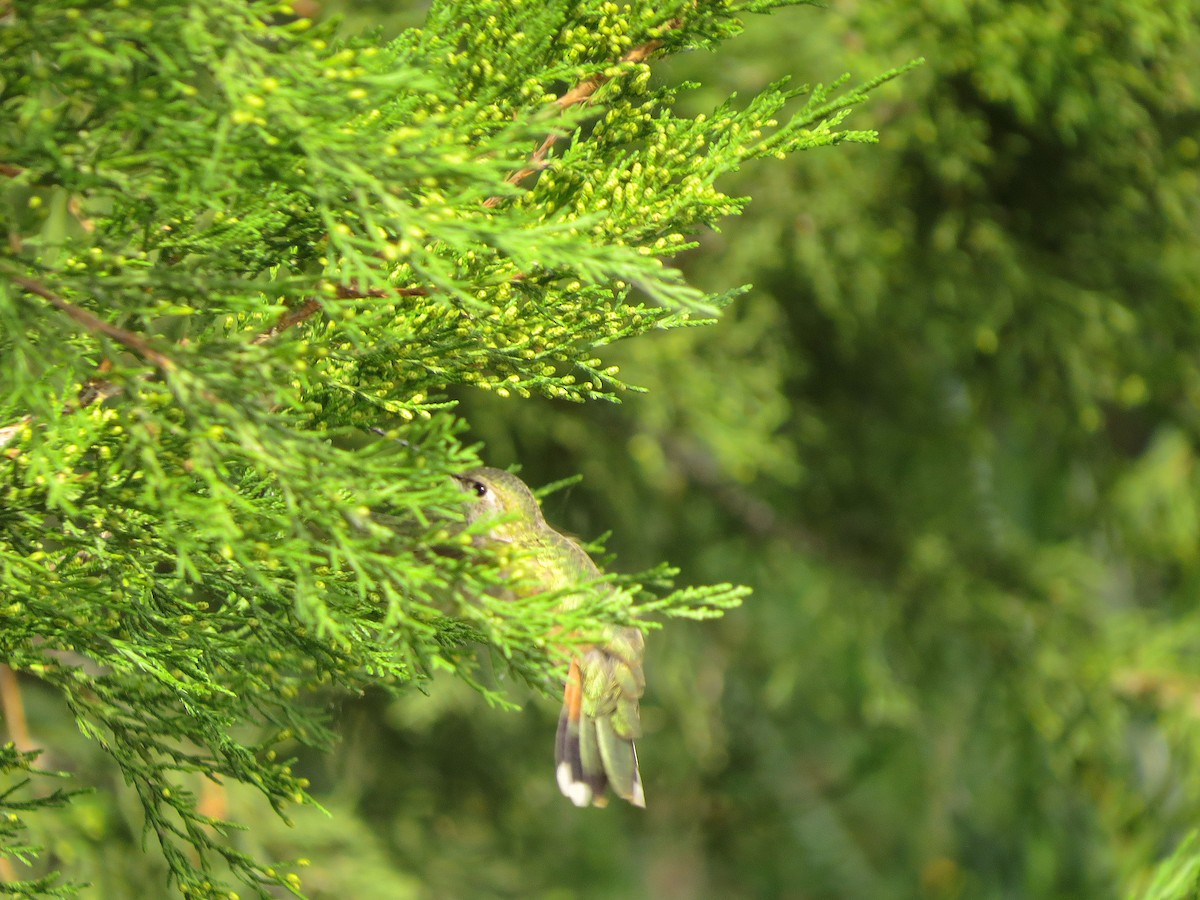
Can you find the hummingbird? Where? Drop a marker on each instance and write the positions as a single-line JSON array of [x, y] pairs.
[[594, 747]]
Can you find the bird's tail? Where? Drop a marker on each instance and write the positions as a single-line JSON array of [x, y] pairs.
[[594, 749]]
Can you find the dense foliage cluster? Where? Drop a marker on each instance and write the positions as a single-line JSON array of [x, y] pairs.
[[234, 244]]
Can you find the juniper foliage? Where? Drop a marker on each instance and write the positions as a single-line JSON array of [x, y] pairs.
[[235, 244]]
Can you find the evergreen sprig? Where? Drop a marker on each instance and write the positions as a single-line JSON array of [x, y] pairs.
[[19, 766]]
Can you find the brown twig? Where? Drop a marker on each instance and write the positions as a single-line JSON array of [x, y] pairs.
[[14, 709], [348, 293], [97, 387], [292, 317], [128, 339], [581, 93], [8, 170], [288, 319]]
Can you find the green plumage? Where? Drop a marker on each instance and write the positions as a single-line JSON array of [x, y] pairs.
[[594, 749]]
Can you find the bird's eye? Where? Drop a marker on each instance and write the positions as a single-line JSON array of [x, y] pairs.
[[480, 488]]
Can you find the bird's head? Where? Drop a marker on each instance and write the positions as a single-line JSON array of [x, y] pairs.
[[496, 494]]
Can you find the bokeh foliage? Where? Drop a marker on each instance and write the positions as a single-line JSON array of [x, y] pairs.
[[950, 440]]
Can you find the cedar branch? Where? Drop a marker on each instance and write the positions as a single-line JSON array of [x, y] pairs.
[[581, 93], [134, 342]]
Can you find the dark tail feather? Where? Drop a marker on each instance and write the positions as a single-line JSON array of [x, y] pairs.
[[578, 765]]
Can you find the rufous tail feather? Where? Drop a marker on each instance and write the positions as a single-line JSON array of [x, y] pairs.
[[594, 748]]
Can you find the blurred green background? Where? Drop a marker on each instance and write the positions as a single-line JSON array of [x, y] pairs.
[[950, 438]]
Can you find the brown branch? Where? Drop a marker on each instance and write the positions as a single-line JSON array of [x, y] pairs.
[[14, 709], [96, 387], [287, 319], [345, 292], [8, 170], [128, 339], [581, 93], [292, 317]]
